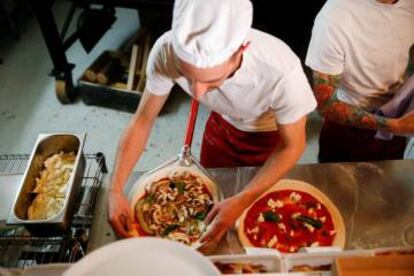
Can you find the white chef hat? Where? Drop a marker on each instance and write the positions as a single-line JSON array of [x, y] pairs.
[[207, 32]]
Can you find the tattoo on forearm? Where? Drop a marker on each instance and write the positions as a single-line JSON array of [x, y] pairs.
[[331, 108]]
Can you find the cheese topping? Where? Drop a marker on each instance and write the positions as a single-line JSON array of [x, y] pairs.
[[295, 197], [309, 227], [272, 241], [260, 218], [282, 226]]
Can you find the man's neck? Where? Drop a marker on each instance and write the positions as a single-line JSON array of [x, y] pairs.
[[237, 66]]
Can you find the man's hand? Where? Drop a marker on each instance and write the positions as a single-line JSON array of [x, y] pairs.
[[119, 215], [403, 125], [224, 214], [282, 159]]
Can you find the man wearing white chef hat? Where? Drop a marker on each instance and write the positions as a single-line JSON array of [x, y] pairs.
[[253, 83]]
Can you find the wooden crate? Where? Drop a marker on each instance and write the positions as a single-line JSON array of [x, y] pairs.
[[116, 79]]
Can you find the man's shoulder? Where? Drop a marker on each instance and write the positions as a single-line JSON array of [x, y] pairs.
[[264, 39], [271, 52], [164, 41], [161, 51], [338, 12]]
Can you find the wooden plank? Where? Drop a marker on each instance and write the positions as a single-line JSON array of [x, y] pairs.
[[132, 67]]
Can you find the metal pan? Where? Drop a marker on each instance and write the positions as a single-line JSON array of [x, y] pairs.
[[47, 145]]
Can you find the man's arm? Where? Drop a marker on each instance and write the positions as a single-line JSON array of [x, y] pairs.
[[131, 146], [332, 109], [283, 158]]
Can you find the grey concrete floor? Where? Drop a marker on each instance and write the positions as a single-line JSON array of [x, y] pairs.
[[28, 105]]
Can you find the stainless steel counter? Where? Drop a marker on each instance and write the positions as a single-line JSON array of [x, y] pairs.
[[376, 201]]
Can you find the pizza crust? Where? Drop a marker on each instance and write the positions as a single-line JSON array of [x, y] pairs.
[[290, 184], [138, 189]]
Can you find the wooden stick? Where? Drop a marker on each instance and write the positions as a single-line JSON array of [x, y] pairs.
[[110, 72], [92, 72], [132, 67], [143, 65]]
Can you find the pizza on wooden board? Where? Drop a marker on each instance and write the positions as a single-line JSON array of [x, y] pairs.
[[173, 206], [289, 216]]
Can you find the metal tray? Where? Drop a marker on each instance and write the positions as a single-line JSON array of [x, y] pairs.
[[47, 145]]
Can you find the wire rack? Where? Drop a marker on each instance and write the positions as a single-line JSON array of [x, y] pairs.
[[18, 249]]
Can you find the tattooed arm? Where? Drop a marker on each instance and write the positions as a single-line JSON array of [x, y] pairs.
[[332, 109]]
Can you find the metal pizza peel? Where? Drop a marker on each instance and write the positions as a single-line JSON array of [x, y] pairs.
[[185, 159], [183, 162]]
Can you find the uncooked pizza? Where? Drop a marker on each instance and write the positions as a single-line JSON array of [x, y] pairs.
[[286, 220], [174, 208]]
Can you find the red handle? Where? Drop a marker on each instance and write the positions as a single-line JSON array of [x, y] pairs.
[[192, 117]]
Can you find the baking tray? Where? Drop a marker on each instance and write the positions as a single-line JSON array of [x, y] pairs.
[[47, 145], [18, 249]]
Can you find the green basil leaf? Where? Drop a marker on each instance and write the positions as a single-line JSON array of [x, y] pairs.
[[200, 215], [314, 222], [149, 198], [269, 216], [169, 229], [180, 186]]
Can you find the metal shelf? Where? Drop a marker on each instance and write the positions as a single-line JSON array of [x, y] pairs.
[[18, 249]]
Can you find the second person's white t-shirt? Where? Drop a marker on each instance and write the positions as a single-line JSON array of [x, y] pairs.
[[365, 41]]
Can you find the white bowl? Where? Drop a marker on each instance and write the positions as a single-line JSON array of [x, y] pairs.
[[143, 256]]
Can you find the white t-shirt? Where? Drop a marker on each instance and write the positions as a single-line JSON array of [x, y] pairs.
[[269, 86], [367, 42]]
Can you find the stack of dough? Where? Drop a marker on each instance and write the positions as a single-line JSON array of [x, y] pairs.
[[51, 186]]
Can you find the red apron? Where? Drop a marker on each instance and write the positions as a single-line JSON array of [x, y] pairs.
[[341, 143], [225, 146]]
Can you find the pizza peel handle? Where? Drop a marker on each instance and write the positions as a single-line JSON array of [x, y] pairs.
[[185, 157], [192, 118]]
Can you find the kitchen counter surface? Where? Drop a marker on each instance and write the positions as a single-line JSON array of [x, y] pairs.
[[376, 200]]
